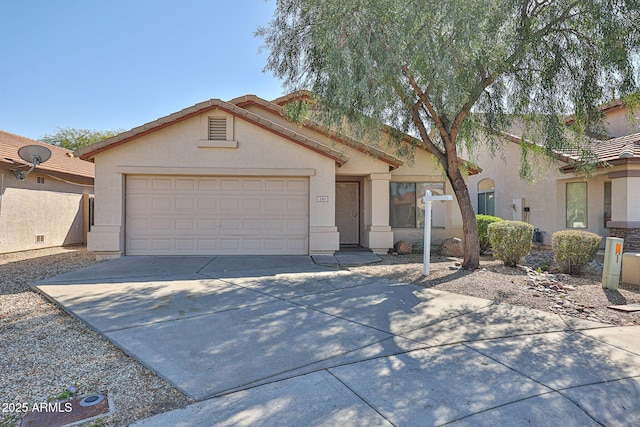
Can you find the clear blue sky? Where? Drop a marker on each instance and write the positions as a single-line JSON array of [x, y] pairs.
[[111, 64]]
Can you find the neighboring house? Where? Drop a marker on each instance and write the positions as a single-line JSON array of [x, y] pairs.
[[607, 203], [49, 207], [238, 178]]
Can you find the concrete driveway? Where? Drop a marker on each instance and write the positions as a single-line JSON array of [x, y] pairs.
[[285, 341]]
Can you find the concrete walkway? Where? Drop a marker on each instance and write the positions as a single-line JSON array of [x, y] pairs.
[[284, 341]]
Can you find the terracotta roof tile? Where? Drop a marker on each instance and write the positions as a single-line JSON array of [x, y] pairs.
[[61, 162], [276, 108], [623, 147], [90, 151]]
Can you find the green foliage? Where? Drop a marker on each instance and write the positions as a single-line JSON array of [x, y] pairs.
[[298, 111], [573, 249], [510, 240], [73, 139], [483, 222], [424, 66]]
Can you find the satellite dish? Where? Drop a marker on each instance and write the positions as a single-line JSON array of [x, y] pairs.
[[34, 154]]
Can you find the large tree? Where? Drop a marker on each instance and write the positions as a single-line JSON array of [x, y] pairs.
[[457, 73], [73, 139]]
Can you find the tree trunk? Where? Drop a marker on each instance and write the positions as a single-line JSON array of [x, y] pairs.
[[469, 225]]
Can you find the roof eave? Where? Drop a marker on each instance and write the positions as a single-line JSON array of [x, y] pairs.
[[91, 151]]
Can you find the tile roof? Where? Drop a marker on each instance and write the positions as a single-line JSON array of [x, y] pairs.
[[212, 104], [277, 108], [607, 151], [62, 163], [623, 147], [235, 107]]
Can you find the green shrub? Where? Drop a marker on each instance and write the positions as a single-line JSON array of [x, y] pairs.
[[510, 240], [573, 249], [483, 222]]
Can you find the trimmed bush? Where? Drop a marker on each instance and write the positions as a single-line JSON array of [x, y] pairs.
[[510, 240], [573, 249], [483, 222]]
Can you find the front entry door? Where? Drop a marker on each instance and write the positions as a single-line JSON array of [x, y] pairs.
[[348, 212]]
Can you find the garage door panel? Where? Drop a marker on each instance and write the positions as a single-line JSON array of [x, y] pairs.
[[230, 225], [162, 204], [185, 184], [210, 215], [161, 224], [206, 246], [252, 185], [296, 205], [161, 244], [184, 244], [207, 204], [208, 184], [252, 204], [297, 244], [297, 225], [274, 225], [134, 183], [230, 204], [299, 186], [161, 183], [207, 224], [185, 224], [230, 185], [185, 204]]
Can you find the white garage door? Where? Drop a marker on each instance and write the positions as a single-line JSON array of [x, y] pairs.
[[182, 215]]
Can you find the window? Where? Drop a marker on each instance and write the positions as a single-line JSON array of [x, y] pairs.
[[40, 180], [217, 129], [39, 238], [486, 197], [607, 203], [406, 207], [576, 205]]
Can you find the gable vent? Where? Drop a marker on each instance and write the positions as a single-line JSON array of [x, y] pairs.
[[217, 128]]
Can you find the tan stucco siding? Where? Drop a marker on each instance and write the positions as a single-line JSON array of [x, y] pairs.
[[51, 208], [540, 197], [25, 214], [618, 123], [182, 149], [546, 197]]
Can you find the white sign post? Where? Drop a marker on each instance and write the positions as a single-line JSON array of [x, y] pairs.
[[428, 198]]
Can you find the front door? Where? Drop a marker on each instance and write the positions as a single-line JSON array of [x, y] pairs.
[[348, 212]]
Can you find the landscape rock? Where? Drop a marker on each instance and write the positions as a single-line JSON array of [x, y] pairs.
[[402, 247], [452, 247]]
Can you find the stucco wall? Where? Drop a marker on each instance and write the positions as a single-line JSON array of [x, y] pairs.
[[177, 150], [540, 197], [618, 123], [545, 198], [28, 209]]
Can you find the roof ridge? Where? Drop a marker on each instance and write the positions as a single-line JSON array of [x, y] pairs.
[[199, 108]]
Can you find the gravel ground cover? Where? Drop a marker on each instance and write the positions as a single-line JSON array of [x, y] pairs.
[[580, 296], [44, 352]]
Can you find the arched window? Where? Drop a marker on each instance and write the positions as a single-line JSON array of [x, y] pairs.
[[486, 197]]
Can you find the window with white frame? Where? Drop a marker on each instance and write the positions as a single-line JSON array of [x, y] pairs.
[[576, 205], [406, 204]]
